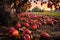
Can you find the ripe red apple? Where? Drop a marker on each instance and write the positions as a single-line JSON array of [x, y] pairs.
[[34, 27], [26, 24], [45, 35], [26, 31], [15, 33], [18, 25], [10, 29], [31, 20], [26, 37]]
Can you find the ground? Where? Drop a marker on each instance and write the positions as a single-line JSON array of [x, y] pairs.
[[54, 31]]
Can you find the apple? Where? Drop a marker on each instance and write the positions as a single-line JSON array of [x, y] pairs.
[[26, 24], [26, 37], [15, 33], [10, 29], [45, 35], [34, 27], [26, 31], [31, 21], [18, 25]]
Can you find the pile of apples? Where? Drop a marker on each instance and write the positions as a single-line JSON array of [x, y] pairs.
[[37, 20], [31, 21], [16, 32]]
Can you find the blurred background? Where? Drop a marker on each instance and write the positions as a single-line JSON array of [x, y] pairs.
[[45, 5]]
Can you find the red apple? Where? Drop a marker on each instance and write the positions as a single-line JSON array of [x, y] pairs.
[[45, 35], [34, 27], [15, 33], [26, 31], [31, 20], [26, 37], [26, 24], [10, 29], [18, 25]]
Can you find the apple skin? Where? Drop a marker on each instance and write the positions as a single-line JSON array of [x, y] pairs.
[[26, 24], [26, 37], [31, 21], [15, 33], [10, 29], [34, 27], [45, 36], [26, 31], [18, 25]]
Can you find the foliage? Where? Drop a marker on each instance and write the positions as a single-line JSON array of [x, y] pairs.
[[35, 9], [5, 10]]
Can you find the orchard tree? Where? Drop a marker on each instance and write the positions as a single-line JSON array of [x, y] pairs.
[[6, 17], [21, 5], [55, 3]]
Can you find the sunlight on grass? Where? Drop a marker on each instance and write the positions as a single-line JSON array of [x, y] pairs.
[[48, 13]]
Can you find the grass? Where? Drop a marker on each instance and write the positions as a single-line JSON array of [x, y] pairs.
[[48, 13]]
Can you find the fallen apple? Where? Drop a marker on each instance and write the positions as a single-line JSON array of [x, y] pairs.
[[18, 25], [34, 27], [10, 29], [26, 24], [15, 33], [26, 37], [26, 31], [45, 36]]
